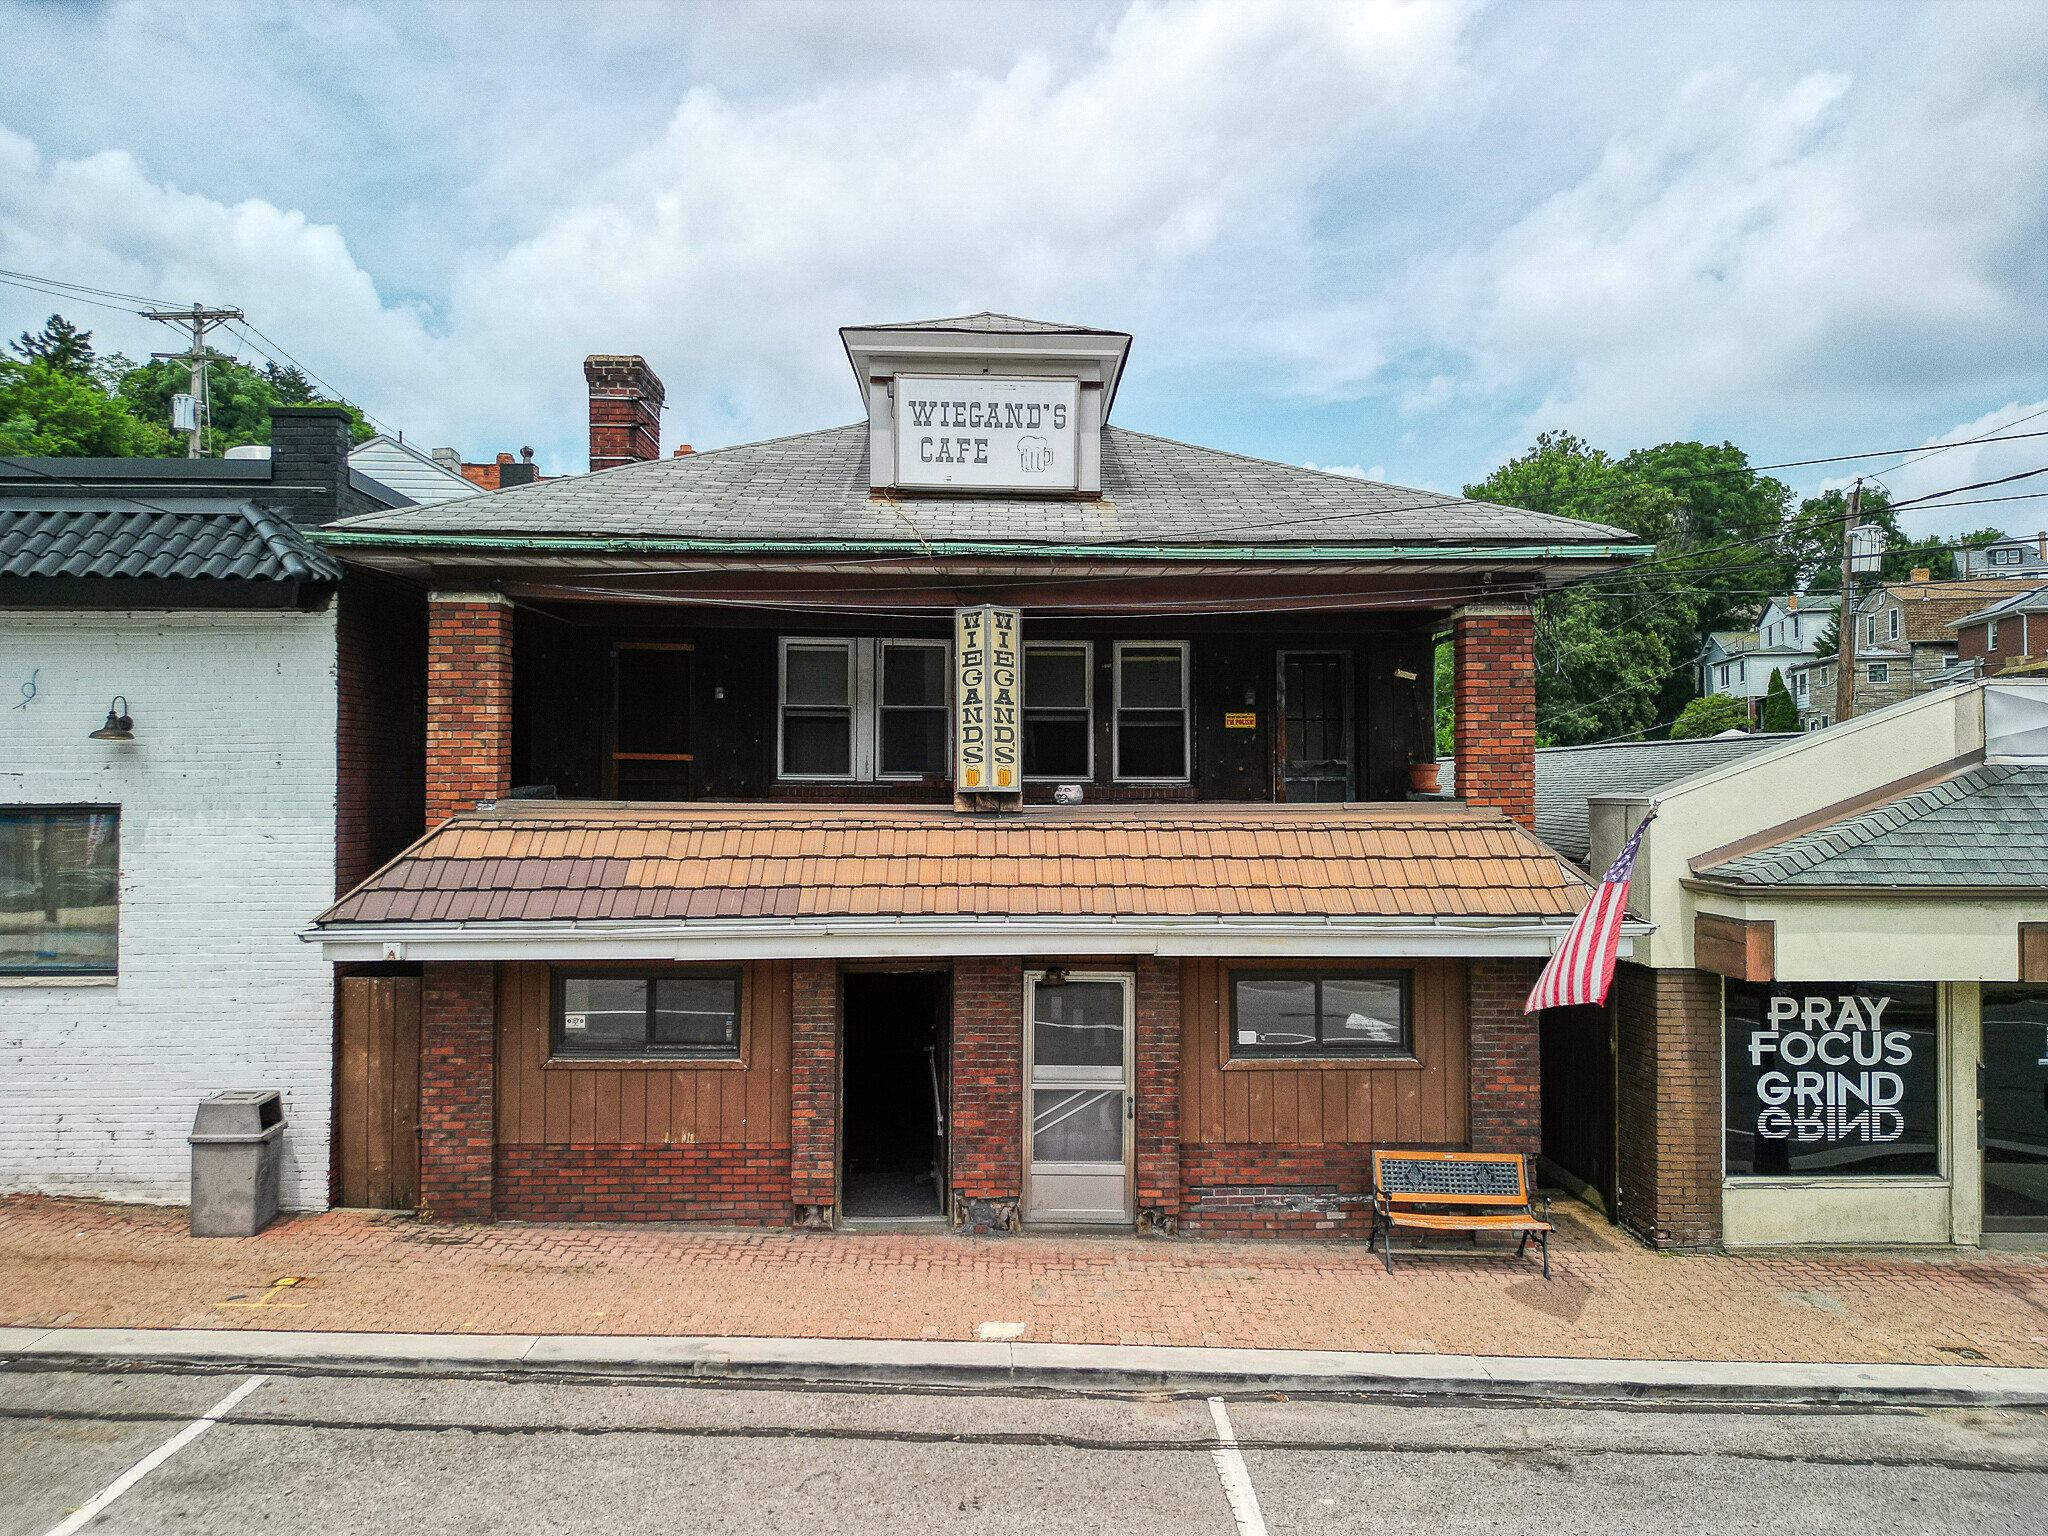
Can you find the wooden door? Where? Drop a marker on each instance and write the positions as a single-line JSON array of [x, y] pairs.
[[377, 1092]]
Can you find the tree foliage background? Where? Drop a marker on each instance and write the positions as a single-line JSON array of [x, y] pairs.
[[61, 399]]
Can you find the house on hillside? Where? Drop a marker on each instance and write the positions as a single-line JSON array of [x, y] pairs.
[[1739, 663], [2006, 634], [1902, 639], [976, 814], [2023, 558], [181, 776]]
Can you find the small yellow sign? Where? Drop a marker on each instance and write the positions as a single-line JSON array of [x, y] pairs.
[[1244, 722]]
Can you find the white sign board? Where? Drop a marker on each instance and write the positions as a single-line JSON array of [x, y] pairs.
[[989, 688], [987, 434]]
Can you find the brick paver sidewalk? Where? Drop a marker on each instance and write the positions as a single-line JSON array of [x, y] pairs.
[[83, 1263]]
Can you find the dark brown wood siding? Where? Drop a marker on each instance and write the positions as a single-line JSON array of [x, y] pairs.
[[1281, 1104], [377, 1092], [599, 1103]]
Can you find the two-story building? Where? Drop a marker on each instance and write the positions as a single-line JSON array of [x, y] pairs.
[[1739, 663], [2010, 633], [2023, 558], [979, 813]]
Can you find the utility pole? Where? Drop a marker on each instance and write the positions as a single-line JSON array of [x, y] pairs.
[[1845, 620], [199, 319]]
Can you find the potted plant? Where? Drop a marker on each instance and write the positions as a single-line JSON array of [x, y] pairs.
[[1422, 775]]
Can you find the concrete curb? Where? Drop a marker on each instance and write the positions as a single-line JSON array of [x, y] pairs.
[[1060, 1367]]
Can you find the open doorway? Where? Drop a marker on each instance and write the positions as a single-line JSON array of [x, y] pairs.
[[893, 1096]]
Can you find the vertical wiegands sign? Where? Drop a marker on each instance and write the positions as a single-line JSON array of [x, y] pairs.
[[987, 694]]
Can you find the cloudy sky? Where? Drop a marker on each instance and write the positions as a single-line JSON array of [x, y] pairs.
[[1394, 238]]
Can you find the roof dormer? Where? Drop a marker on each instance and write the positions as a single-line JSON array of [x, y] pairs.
[[986, 403]]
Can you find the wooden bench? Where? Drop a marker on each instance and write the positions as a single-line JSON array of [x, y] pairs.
[[1488, 1192]]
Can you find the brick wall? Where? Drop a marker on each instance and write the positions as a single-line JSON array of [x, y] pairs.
[[469, 702], [814, 1083], [381, 660], [1494, 707], [1231, 1190], [739, 1186], [227, 799], [1668, 1066], [1503, 1057], [1156, 1059], [458, 1112], [625, 411], [988, 1079]]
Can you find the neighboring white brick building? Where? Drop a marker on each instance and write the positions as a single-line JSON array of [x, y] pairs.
[[227, 839]]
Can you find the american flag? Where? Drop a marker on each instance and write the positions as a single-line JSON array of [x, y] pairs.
[[1583, 968]]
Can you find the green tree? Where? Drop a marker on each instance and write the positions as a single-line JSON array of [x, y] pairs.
[[1730, 519], [1780, 713], [238, 397], [1710, 715], [48, 411], [1609, 654], [60, 344]]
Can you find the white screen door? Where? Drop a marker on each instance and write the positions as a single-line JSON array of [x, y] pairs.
[[1078, 1109]]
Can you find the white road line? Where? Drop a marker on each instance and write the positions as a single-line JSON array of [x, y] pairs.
[[80, 1516], [1237, 1482]]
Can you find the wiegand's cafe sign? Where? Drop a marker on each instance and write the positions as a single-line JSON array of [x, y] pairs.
[[987, 433]]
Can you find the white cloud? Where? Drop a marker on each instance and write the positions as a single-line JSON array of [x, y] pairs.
[[1350, 471]]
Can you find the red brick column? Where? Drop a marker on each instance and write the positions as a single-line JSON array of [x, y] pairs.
[[1157, 1060], [814, 1090], [1494, 707], [469, 701], [1503, 1059], [458, 1093], [1668, 1108], [988, 1091]]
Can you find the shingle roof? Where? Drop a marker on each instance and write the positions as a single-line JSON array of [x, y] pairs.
[[2028, 600], [186, 540], [527, 861], [1981, 827], [988, 322], [813, 488], [1567, 776], [1930, 605]]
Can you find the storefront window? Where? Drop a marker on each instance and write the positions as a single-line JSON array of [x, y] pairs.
[[2016, 1108], [59, 892], [1304, 1014], [1828, 1081], [625, 1015]]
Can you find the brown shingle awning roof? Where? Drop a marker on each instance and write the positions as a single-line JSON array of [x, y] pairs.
[[545, 862]]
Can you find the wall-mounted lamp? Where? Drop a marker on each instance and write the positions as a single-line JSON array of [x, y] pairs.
[[1056, 977], [119, 726]]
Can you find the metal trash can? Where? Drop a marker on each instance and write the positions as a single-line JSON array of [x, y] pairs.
[[237, 1150]]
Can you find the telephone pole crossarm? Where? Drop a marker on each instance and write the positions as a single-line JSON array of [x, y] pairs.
[[199, 319]]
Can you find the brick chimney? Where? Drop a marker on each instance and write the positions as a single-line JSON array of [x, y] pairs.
[[625, 411]]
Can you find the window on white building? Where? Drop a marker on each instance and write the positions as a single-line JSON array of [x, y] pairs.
[[1799, 682], [60, 878], [863, 709], [2005, 554]]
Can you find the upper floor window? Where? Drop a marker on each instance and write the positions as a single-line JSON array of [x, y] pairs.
[[2005, 554], [59, 891], [1799, 684], [636, 1014], [863, 709], [1991, 635], [1152, 710], [1880, 672], [1059, 736], [1894, 623]]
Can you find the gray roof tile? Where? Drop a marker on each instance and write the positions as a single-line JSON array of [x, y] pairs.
[[813, 488], [1982, 827], [197, 540]]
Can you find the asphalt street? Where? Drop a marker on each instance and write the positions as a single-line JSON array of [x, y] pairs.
[[339, 1453]]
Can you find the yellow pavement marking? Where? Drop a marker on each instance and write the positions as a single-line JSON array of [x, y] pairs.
[[268, 1298]]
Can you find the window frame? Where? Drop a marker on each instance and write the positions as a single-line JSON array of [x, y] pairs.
[[73, 973], [1892, 624], [1991, 634], [864, 706], [1874, 668], [1402, 1053], [1187, 710], [1024, 711], [882, 646], [559, 976]]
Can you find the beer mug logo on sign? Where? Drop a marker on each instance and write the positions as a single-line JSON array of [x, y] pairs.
[[1034, 455]]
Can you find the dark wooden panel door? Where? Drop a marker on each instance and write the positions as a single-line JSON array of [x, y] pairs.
[[377, 1098], [1315, 726]]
